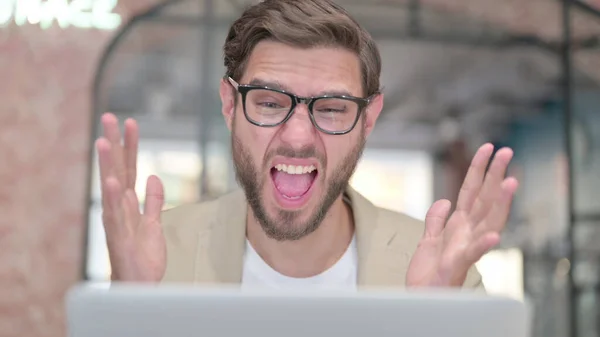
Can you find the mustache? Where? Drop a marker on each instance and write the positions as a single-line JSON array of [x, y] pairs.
[[308, 151]]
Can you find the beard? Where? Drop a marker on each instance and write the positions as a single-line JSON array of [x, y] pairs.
[[286, 225]]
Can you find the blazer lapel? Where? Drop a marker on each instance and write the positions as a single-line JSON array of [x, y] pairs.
[[221, 250], [380, 263], [222, 245]]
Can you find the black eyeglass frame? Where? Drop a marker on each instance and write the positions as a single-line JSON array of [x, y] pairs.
[[244, 89]]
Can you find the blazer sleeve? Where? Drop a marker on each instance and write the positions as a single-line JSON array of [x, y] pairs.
[[474, 281]]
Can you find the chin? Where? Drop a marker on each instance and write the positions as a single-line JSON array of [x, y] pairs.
[[288, 225]]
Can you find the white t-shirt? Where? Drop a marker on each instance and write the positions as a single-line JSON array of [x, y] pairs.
[[258, 274]]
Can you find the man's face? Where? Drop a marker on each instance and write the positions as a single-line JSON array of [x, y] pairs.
[[293, 173]]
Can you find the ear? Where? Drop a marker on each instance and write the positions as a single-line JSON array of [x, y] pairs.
[[227, 93], [372, 113]]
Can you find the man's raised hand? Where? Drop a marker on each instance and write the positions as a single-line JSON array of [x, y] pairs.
[[135, 240], [450, 247]]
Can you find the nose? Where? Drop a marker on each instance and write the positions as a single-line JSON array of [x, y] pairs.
[[298, 131]]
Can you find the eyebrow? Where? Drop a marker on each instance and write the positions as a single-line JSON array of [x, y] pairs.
[[279, 86]]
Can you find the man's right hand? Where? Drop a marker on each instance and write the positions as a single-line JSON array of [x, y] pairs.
[[135, 240]]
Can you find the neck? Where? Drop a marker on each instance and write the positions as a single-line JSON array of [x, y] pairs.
[[312, 254]]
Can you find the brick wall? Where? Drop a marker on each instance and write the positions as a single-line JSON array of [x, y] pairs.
[[45, 85]]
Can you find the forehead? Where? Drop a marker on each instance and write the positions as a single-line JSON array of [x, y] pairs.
[[305, 71]]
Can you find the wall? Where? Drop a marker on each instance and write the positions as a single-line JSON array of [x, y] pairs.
[[44, 143]]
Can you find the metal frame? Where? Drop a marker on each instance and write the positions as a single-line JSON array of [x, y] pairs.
[[567, 50], [567, 87], [205, 44], [585, 7], [563, 49]]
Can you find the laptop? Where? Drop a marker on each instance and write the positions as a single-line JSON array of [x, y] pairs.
[[193, 311]]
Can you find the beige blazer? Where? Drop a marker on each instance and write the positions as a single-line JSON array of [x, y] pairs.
[[206, 242]]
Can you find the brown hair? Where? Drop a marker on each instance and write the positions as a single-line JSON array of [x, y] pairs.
[[303, 24]]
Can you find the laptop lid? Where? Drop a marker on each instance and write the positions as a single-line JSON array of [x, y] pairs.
[[186, 311]]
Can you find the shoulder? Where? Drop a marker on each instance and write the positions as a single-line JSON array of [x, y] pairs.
[[409, 228], [190, 216], [181, 227], [187, 227], [200, 216], [405, 233], [400, 231], [183, 224]]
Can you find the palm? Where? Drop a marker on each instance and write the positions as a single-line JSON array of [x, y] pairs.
[[450, 248], [144, 258], [141, 252], [136, 244]]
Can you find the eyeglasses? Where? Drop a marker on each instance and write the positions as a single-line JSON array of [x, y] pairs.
[[268, 107]]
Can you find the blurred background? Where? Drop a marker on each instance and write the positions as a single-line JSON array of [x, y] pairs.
[[457, 73]]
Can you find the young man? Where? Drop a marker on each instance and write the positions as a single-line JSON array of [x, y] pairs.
[[300, 96]]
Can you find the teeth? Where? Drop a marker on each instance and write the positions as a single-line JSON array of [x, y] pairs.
[[292, 169]]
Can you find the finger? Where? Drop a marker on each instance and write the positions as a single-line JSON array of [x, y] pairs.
[[498, 216], [492, 186], [131, 212], [155, 199], [480, 247], [474, 178], [134, 203], [105, 163], [131, 151], [113, 134], [436, 218], [112, 213]]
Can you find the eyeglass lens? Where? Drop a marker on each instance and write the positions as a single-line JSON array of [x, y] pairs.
[[269, 107]]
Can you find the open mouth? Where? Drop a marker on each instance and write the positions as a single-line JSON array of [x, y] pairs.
[[293, 181]]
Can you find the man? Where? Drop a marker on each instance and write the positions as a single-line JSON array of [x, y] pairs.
[[300, 96]]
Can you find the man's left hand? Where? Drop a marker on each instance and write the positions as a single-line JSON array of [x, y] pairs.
[[448, 249]]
